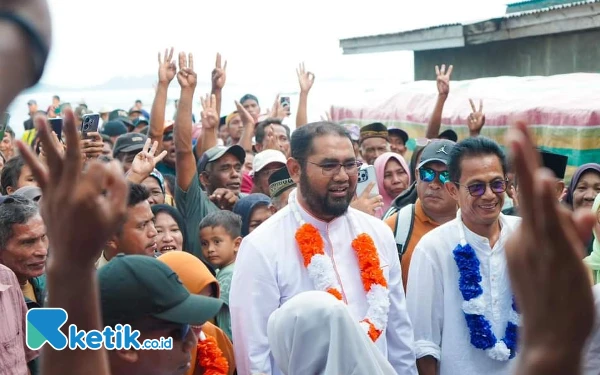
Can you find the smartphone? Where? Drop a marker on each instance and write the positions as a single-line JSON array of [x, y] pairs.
[[366, 175], [285, 101], [89, 124], [3, 124], [57, 126]]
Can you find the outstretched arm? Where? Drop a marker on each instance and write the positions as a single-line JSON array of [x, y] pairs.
[[443, 86]]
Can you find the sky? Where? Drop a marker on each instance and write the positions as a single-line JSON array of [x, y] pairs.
[[263, 40]]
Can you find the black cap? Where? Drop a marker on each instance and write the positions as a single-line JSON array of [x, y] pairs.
[[215, 153], [121, 115], [374, 130], [114, 128], [400, 133], [136, 286], [280, 181], [130, 142], [438, 150], [449, 134], [557, 163]]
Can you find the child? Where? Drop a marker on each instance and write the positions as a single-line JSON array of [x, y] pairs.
[[220, 238]]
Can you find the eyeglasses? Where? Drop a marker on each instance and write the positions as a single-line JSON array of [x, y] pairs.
[[428, 175], [479, 188], [332, 169]]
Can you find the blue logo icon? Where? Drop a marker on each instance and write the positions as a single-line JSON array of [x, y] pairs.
[[43, 326]]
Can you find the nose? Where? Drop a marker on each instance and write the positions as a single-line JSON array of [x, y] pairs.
[[152, 232], [488, 193], [41, 250], [167, 237], [189, 341]]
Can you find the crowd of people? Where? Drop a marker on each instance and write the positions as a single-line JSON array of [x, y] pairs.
[[246, 244]]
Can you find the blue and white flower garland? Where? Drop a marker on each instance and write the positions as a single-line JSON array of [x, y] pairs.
[[474, 308]]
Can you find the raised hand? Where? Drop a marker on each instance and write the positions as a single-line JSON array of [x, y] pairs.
[[278, 111], [145, 161], [219, 74], [271, 141], [210, 118], [166, 67], [305, 79], [245, 116], [366, 203], [186, 76], [59, 147], [443, 79], [81, 210], [550, 282], [476, 118], [225, 199]]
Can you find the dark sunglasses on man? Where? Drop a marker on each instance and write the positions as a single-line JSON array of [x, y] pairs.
[[478, 189], [428, 175]]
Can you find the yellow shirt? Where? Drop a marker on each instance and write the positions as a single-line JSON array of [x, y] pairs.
[[422, 225], [28, 291]]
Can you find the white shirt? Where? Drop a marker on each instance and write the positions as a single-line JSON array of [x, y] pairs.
[[269, 271], [434, 300], [591, 360]]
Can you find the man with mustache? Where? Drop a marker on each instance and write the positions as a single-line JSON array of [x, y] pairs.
[[434, 205], [138, 234], [458, 294], [318, 242]]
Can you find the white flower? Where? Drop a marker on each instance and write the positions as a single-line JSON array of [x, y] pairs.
[[475, 306], [499, 352]]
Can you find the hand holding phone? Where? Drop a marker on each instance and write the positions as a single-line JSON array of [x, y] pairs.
[[366, 175], [89, 124], [57, 125]]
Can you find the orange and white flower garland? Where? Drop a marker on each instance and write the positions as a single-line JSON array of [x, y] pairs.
[[322, 273], [210, 357]]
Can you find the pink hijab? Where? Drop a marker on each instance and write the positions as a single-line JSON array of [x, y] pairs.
[[380, 164]]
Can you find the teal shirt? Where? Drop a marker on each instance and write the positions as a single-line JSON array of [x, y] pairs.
[[224, 276]]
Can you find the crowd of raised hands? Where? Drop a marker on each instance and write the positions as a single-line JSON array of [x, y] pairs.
[[83, 206]]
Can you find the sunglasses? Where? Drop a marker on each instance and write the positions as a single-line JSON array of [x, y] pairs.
[[479, 188], [428, 175]]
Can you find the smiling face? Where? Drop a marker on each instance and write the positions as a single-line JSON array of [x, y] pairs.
[[586, 190], [25, 252], [326, 196], [170, 237], [479, 211]]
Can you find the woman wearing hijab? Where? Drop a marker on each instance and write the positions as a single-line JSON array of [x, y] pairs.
[[593, 260], [198, 279], [584, 186], [254, 210], [313, 333], [393, 177]]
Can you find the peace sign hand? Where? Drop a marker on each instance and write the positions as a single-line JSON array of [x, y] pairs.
[[186, 76], [476, 118], [145, 161], [75, 201], [210, 119], [219, 74], [166, 67], [306, 79], [443, 79], [245, 116]]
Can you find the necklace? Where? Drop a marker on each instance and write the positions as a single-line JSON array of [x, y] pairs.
[[474, 306], [322, 273]]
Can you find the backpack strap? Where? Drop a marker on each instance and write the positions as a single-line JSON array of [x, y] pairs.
[[404, 227]]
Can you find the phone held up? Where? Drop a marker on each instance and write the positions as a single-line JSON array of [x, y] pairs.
[[366, 175], [3, 124], [89, 124], [56, 124], [285, 101]]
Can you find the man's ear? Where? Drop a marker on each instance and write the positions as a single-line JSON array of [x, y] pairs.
[[127, 355], [295, 170], [272, 209], [203, 177], [259, 147], [10, 190], [452, 189]]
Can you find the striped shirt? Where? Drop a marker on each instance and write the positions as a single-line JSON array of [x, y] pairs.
[[14, 354]]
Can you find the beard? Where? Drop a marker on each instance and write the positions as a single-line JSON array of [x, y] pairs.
[[325, 205]]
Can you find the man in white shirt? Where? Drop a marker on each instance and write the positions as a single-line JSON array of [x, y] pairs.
[[458, 294], [277, 261]]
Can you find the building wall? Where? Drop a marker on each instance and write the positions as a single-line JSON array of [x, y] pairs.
[[535, 56]]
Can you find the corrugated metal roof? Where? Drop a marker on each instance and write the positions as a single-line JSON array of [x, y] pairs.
[[550, 8], [407, 31]]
